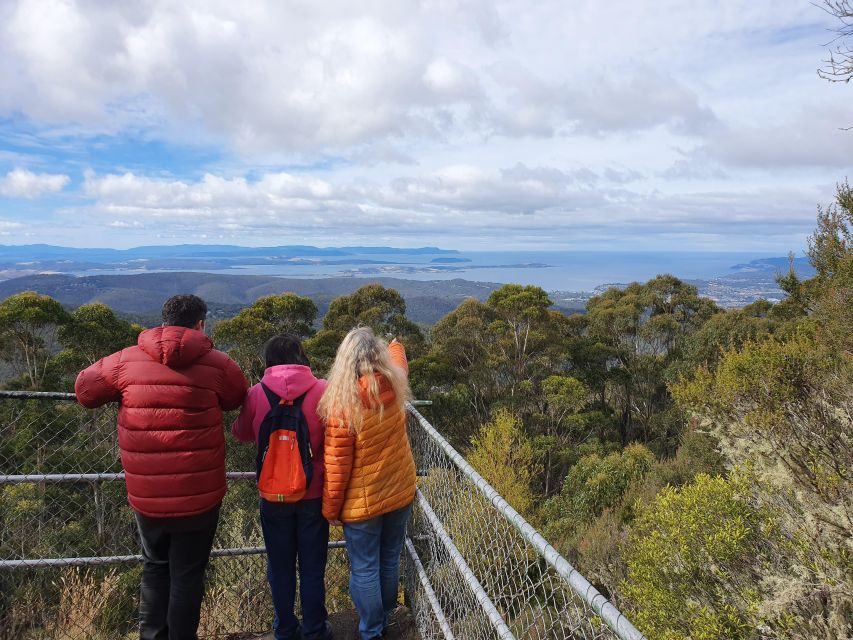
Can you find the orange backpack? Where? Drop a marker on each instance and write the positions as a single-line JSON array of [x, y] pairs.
[[284, 462]]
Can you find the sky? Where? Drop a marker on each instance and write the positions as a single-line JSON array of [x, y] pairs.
[[645, 125]]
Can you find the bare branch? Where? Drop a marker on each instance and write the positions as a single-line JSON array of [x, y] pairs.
[[839, 65]]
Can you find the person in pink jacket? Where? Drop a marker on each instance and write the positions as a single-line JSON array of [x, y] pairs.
[[295, 530]]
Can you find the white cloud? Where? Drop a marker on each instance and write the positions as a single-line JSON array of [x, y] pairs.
[[637, 100], [451, 80], [21, 183], [272, 75], [124, 224], [304, 77], [529, 204], [510, 121], [810, 138]]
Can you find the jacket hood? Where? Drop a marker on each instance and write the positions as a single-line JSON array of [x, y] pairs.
[[387, 396], [176, 347], [289, 381]]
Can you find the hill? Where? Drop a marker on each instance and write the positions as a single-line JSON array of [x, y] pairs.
[[142, 295]]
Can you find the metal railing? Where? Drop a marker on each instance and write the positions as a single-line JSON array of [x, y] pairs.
[[69, 553], [490, 573], [69, 563]]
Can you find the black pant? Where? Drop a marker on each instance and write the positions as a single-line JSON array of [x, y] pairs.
[[175, 552]]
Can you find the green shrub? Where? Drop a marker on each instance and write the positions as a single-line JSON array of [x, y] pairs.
[[694, 558]]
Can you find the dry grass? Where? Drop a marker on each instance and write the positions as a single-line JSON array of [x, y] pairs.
[[83, 598]]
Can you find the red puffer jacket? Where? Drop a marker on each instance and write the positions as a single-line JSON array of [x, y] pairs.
[[173, 387]]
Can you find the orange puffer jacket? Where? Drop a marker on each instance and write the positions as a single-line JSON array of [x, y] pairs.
[[372, 472]]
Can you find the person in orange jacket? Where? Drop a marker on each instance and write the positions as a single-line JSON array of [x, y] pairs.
[[370, 471]]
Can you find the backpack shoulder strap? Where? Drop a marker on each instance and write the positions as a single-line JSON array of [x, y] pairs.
[[303, 434], [297, 402], [273, 398]]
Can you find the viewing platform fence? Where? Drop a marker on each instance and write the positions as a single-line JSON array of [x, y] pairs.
[[70, 564]]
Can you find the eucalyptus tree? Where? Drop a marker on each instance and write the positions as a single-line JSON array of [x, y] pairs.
[[380, 308], [28, 334], [92, 332], [645, 326], [244, 335]]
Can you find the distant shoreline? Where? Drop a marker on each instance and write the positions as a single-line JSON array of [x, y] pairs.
[[732, 279]]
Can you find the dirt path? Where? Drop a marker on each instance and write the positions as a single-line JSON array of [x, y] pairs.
[[345, 627]]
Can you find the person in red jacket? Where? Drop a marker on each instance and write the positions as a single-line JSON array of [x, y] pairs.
[[173, 387]]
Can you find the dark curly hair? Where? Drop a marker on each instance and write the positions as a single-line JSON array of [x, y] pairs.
[[184, 311]]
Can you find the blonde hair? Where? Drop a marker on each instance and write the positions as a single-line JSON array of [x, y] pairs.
[[361, 354]]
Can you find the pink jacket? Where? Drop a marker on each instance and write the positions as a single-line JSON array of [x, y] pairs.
[[288, 381]]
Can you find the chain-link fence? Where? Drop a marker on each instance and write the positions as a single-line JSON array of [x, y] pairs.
[[477, 570], [69, 563], [70, 569]]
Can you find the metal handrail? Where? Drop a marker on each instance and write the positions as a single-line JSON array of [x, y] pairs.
[[64, 395], [38, 395], [131, 559], [94, 477], [614, 618]]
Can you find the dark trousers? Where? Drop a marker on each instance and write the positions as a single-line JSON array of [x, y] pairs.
[[175, 553], [296, 531]]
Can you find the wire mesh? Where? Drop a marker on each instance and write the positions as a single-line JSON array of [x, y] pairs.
[[49, 528], [69, 563], [488, 576]]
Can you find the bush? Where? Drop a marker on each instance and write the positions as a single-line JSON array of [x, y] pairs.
[[596, 545], [694, 557], [783, 409], [503, 454], [594, 484]]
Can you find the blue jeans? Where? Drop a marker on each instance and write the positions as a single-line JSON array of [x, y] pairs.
[[374, 548], [291, 531]]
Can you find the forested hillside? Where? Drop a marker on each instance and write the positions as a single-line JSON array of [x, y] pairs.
[[142, 295], [694, 463]]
